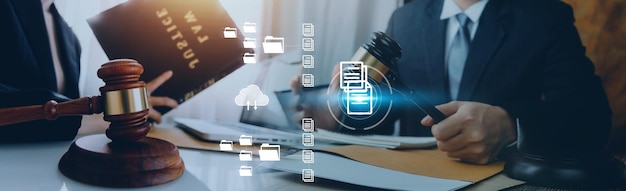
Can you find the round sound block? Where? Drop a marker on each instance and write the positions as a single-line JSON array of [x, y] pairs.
[[96, 160], [597, 172]]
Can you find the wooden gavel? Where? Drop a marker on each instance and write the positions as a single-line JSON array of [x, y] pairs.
[[124, 101]]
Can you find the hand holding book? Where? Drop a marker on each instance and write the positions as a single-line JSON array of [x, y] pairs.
[[185, 37], [159, 100]]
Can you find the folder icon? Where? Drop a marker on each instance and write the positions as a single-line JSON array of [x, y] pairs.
[[249, 42], [249, 58], [308, 61], [226, 145], [249, 27], [245, 155], [308, 44], [308, 139], [245, 170], [274, 45], [245, 140], [230, 32], [269, 152]]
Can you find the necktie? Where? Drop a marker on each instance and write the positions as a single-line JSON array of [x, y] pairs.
[[69, 52], [50, 17], [458, 54]]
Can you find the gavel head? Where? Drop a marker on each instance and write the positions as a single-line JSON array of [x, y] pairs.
[[380, 54], [125, 100]]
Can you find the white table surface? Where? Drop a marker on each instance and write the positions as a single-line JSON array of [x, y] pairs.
[[33, 166]]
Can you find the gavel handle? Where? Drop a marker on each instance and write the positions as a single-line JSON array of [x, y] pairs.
[[50, 110]]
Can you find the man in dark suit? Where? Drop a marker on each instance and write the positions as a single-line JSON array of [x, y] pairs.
[[494, 65], [40, 62], [525, 62]]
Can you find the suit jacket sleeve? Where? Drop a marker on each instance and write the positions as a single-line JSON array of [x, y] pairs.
[[573, 115]]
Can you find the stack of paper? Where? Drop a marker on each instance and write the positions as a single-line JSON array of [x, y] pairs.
[[382, 141]]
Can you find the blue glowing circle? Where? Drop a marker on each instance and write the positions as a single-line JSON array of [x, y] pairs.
[[380, 103]]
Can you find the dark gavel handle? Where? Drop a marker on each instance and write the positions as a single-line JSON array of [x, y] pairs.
[[432, 111], [423, 105], [50, 110]]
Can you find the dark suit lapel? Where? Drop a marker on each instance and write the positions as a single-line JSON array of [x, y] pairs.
[[434, 38], [486, 41], [30, 15]]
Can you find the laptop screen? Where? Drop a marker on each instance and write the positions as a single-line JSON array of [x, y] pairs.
[[284, 115], [271, 116], [265, 117]]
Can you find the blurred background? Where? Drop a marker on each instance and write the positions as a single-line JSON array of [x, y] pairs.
[[340, 28], [602, 30]]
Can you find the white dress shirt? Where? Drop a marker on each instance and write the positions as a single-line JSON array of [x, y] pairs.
[[58, 69]]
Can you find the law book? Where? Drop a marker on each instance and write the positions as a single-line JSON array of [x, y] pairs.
[[196, 39]]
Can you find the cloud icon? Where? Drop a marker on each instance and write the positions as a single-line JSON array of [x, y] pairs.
[[251, 96]]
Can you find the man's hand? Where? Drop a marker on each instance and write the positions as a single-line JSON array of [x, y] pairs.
[[474, 132], [159, 101]]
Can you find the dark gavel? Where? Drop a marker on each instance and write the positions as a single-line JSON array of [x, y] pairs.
[[381, 53], [123, 100], [129, 158]]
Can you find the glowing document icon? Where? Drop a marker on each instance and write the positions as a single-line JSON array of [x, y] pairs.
[[308, 156], [245, 170], [308, 44], [249, 42], [245, 155], [308, 61], [249, 58], [230, 32], [249, 27], [358, 90], [353, 75], [269, 152], [308, 80], [245, 140], [274, 45], [308, 139], [308, 29], [226, 145], [359, 101], [308, 124], [308, 175]]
